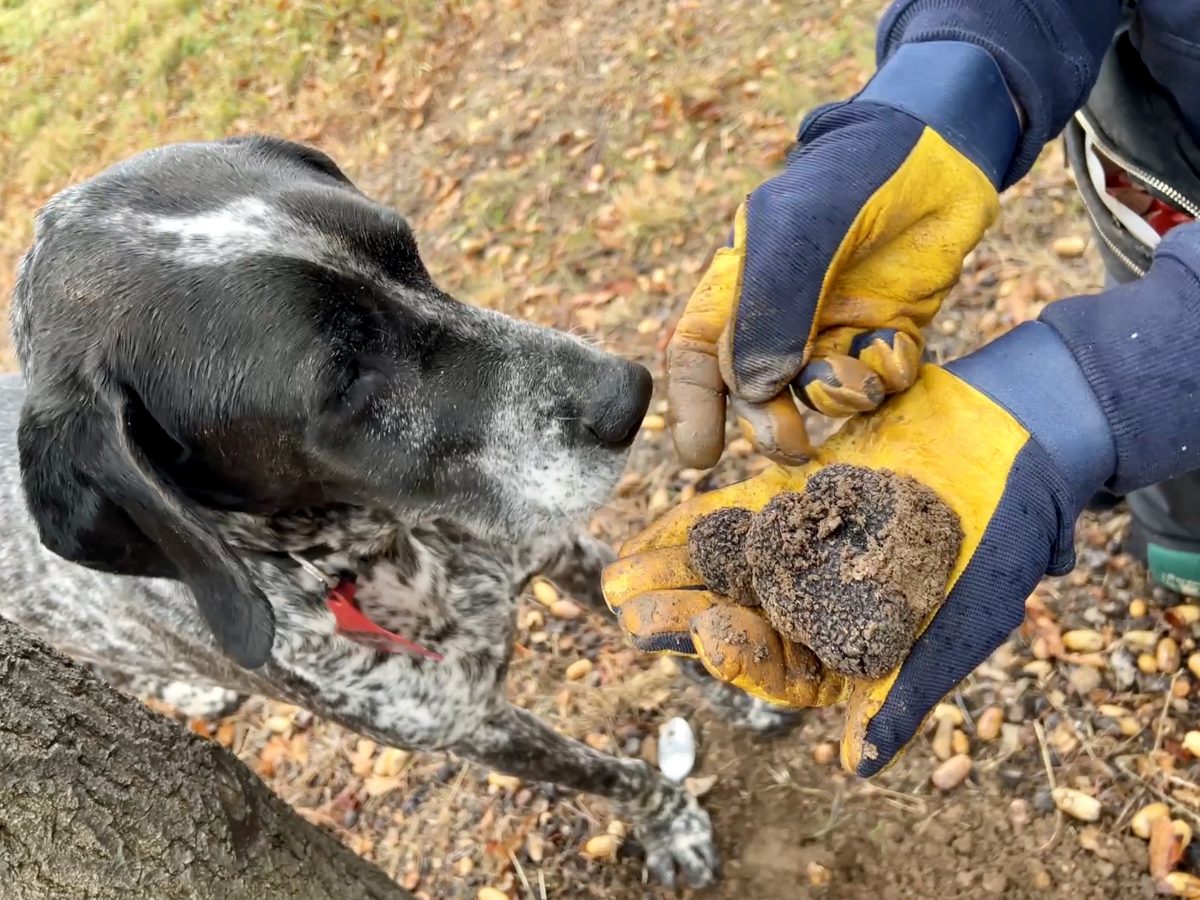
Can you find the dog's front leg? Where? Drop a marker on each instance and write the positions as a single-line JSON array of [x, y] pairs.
[[674, 830]]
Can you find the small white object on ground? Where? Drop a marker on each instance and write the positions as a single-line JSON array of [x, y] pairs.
[[676, 749]]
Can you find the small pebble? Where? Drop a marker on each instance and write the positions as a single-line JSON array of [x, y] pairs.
[[1083, 641], [1141, 639], [818, 875], [1069, 247], [952, 772], [1084, 679], [823, 753], [545, 593], [948, 712], [1193, 664], [1129, 726], [1167, 655], [565, 609], [942, 742], [535, 847], [676, 749], [1077, 804], [1145, 817], [1039, 668], [1122, 667], [503, 782], [1191, 743], [959, 742], [988, 726], [1137, 608], [1011, 777], [581, 668], [390, 761], [602, 847], [654, 422], [491, 893], [1043, 802], [1147, 663], [1185, 613]]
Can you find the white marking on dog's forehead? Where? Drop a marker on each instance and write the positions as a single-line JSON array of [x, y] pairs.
[[248, 226], [245, 218]]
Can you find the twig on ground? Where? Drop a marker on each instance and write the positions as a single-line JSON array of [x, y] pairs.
[[1058, 814]]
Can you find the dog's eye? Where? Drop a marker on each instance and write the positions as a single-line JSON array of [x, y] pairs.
[[358, 385]]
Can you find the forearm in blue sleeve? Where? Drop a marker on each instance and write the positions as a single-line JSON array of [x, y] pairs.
[[1139, 347], [1048, 50]]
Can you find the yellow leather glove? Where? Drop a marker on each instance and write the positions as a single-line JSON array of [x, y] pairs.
[[1013, 441], [835, 266]]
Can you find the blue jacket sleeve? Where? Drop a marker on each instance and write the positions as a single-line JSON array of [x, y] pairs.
[[1048, 50], [1137, 345]]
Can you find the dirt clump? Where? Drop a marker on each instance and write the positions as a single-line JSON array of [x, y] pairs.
[[717, 548], [849, 568]]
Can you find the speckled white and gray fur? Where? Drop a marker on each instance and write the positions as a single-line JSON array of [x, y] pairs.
[[446, 574]]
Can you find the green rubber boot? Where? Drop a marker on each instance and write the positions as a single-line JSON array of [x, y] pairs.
[[1165, 533]]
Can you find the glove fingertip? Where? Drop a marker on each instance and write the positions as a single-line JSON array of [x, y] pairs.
[[839, 386]]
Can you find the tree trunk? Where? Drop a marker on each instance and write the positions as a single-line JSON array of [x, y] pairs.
[[100, 798]]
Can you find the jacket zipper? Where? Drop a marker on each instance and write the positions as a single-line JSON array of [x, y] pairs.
[[1141, 174], [1116, 251]]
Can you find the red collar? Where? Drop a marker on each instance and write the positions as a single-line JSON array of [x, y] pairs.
[[353, 623]]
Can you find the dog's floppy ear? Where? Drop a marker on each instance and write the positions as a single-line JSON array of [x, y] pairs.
[[98, 501]]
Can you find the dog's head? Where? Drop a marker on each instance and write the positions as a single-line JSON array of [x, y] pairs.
[[234, 326]]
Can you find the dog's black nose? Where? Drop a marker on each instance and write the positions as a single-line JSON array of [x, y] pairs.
[[615, 410]]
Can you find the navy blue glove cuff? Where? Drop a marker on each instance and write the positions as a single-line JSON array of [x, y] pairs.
[[958, 90], [1032, 373]]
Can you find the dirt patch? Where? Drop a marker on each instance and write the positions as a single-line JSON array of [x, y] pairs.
[[849, 568], [795, 828]]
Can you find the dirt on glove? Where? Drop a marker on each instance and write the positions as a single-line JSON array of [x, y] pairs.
[[849, 568]]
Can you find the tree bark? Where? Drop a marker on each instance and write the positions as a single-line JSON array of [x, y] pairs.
[[100, 798]]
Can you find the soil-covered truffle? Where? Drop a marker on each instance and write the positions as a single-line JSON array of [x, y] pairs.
[[717, 548], [851, 566]]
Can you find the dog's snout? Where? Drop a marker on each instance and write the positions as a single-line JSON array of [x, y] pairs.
[[618, 403]]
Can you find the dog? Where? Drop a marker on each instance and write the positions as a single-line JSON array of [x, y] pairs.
[[262, 452]]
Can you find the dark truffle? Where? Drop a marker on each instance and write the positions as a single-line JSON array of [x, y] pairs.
[[717, 548], [851, 567]]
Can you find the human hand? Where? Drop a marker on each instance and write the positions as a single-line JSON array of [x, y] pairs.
[[835, 266], [1011, 438]]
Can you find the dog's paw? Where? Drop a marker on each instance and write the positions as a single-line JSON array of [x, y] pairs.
[[199, 701], [678, 841], [763, 718], [740, 709]]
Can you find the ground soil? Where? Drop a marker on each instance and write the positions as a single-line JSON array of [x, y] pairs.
[[851, 566]]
